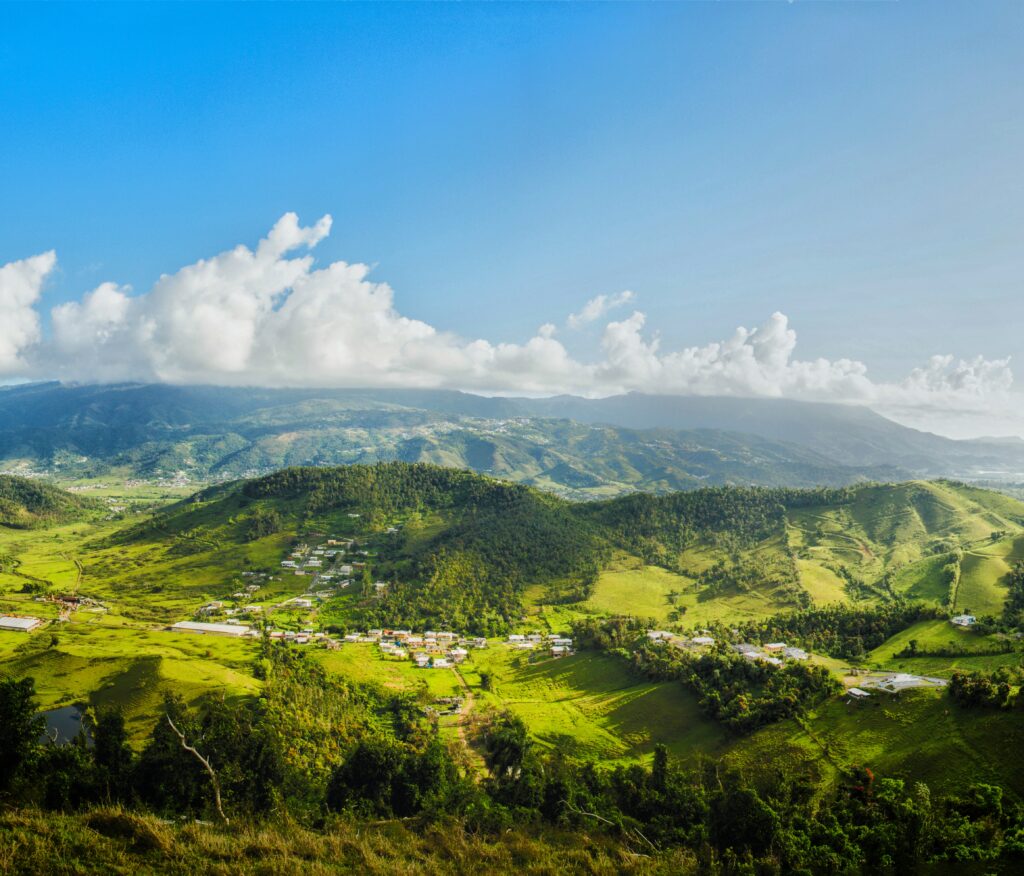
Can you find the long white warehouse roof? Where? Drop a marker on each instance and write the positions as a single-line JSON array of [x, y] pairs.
[[217, 629], [22, 624]]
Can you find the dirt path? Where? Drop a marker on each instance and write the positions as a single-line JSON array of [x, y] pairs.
[[468, 702]]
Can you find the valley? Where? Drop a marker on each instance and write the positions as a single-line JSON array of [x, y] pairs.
[[861, 581]]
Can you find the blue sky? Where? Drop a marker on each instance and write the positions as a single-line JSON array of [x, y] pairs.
[[853, 165]]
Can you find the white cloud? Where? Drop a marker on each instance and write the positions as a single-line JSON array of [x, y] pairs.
[[597, 307], [20, 285], [270, 316]]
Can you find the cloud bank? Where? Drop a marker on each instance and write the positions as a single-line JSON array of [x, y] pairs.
[[270, 316]]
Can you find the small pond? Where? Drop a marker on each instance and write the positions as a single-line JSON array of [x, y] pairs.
[[67, 722]]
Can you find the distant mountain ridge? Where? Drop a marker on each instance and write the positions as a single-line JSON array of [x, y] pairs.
[[583, 448]]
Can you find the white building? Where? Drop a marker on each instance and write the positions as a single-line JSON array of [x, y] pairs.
[[963, 620], [19, 624], [236, 630]]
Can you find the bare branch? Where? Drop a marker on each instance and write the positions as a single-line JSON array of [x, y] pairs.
[[213, 775]]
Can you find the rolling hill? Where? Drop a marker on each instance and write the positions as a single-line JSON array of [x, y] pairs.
[[476, 552]]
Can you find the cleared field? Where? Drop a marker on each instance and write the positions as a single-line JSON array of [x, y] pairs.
[[981, 589], [918, 736], [589, 705], [630, 587], [824, 585], [939, 634], [110, 661]]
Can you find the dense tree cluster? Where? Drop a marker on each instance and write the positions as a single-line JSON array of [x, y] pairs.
[[978, 689], [742, 694], [1013, 608], [263, 522]]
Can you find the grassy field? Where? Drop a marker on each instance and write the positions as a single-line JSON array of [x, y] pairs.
[[918, 736], [630, 587], [107, 660], [590, 705]]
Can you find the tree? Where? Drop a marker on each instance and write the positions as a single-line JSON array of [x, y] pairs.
[[20, 729], [112, 754], [506, 746]]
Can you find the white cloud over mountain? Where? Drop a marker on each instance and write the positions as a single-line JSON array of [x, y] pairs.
[[271, 317]]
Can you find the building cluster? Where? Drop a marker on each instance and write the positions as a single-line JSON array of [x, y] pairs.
[[773, 653], [556, 644], [428, 650]]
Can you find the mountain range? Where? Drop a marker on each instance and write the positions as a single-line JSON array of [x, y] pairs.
[[581, 448]]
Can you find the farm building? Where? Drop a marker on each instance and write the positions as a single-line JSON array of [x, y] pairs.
[[19, 624], [963, 620], [857, 693], [237, 630], [902, 681]]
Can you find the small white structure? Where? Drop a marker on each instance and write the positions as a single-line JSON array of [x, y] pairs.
[[658, 635], [795, 654], [775, 647], [236, 630], [963, 620], [857, 693], [702, 641], [19, 624]]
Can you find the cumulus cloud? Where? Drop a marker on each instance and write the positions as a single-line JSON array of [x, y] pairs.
[[20, 285], [597, 307], [271, 316]]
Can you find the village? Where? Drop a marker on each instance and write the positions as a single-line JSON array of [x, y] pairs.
[[858, 683], [330, 567]]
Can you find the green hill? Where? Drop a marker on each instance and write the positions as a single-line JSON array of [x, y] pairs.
[[474, 552], [28, 503]]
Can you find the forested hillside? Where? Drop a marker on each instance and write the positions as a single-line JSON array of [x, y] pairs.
[[472, 551], [26, 503]]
